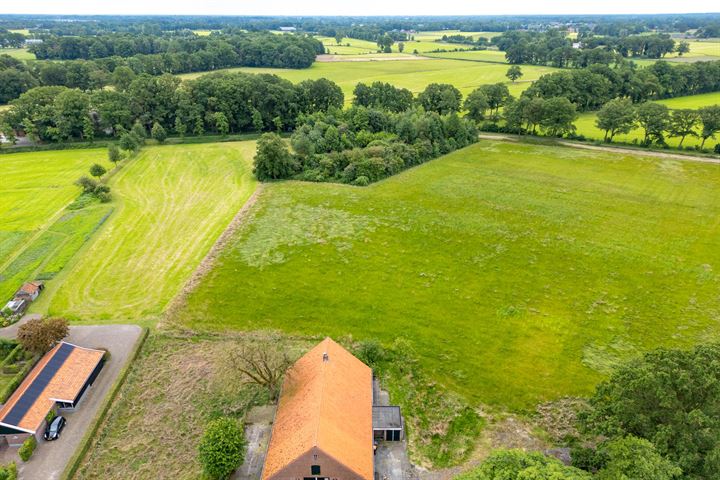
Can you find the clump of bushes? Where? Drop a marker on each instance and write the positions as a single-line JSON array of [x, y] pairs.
[[222, 448], [94, 189], [361, 145], [8, 472], [27, 448]]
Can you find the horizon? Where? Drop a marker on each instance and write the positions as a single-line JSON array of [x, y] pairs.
[[371, 8]]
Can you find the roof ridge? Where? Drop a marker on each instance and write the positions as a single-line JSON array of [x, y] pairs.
[[324, 343]]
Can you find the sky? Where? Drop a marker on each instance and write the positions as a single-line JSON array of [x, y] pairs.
[[356, 7]]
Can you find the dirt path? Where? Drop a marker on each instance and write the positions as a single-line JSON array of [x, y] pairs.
[[366, 58], [208, 262], [629, 151]]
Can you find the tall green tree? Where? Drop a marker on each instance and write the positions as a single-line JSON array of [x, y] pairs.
[[222, 448], [272, 159], [632, 458], [158, 132], [654, 119], [514, 73], [682, 123], [559, 117], [710, 120], [616, 116], [476, 104], [441, 98], [669, 397], [497, 95], [519, 465]]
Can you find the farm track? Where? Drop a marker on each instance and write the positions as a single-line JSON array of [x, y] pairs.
[[629, 151]]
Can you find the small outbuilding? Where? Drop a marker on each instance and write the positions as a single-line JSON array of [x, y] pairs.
[[58, 381], [29, 291]]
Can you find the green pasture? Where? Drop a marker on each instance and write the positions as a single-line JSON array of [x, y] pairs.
[[586, 122], [518, 273], [473, 55], [171, 204], [354, 46], [412, 74], [19, 53], [438, 34], [37, 234]]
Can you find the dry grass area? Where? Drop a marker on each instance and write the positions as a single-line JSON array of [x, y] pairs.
[[177, 385]]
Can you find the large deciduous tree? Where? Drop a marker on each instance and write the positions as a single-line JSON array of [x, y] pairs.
[[710, 120], [272, 159], [616, 116], [654, 119], [670, 398], [40, 335], [441, 98], [683, 123]]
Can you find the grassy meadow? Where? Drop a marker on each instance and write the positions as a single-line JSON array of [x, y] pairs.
[[414, 75], [19, 53], [38, 234], [171, 204], [518, 273], [424, 42], [586, 122]]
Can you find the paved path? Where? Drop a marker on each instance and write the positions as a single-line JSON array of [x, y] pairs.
[[50, 458], [11, 331]]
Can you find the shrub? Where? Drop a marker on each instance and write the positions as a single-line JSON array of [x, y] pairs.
[[97, 170], [114, 153], [27, 448], [158, 133], [361, 181], [370, 352], [8, 472], [273, 160], [87, 184], [222, 448], [50, 416], [717, 148]]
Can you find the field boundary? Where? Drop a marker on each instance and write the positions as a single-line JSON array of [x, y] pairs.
[[602, 148], [90, 435], [208, 262]]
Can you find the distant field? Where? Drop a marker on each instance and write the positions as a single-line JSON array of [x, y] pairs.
[[23, 31], [354, 46], [172, 203], [19, 53], [518, 273], [438, 34], [414, 75], [586, 123], [37, 234]]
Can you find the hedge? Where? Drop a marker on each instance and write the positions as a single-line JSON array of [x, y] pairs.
[[17, 380], [74, 463], [28, 447], [8, 472]]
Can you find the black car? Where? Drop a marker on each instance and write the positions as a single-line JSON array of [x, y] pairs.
[[52, 432]]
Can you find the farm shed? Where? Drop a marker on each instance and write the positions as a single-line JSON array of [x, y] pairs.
[[323, 426], [387, 423], [59, 380], [29, 291]]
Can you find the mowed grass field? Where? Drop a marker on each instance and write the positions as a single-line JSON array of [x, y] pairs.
[[38, 235], [518, 273], [424, 42], [586, 122], [19, 53], [171, 204], [414, 75]]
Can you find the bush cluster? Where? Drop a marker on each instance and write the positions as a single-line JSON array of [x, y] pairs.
[[27, 448], [361, 145]]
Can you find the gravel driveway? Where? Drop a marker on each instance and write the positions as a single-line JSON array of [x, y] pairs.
[[50, 458]]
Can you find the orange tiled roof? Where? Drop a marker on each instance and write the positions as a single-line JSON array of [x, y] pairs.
[[30, 288], [64, 385], [328, 405]]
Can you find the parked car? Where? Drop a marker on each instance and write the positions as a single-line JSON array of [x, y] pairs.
[[52, 432]]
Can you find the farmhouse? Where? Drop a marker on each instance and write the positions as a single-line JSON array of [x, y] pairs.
[[58, 381], [324, 426], [17, 306], [29, 291]]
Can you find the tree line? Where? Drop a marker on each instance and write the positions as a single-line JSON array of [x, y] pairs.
[[11, 39], [248, 50]]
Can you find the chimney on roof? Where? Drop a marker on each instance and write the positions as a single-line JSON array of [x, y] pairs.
[[326, 357]]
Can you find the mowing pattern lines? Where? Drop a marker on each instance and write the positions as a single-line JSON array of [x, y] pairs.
[[172, 203]]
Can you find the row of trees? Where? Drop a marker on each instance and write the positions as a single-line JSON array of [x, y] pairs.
[[591, 88], [215, 103], [11, 39], [620, 116], [553, 47], [656, 418], [361, 145], [250, 50]]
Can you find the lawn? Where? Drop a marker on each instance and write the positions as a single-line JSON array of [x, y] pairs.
[[586, 123], [412, 74], [19, 53], [35, 190], [171, 203], [517, 273]]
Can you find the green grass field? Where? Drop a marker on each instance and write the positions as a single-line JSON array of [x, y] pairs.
[[19, 53], [474, 55], [424, 42], [171, 204], [519, 273], [413, 74], [35, 189], [586, 123]]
